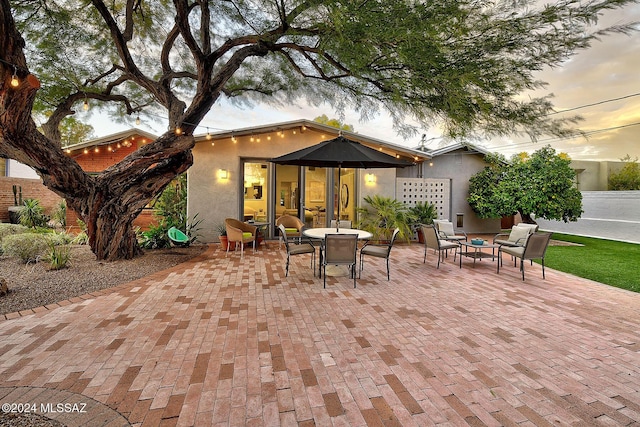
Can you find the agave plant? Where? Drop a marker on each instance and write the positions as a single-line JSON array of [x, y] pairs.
[[383, 215]]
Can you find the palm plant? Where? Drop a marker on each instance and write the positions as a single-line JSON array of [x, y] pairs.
[[383, 215]]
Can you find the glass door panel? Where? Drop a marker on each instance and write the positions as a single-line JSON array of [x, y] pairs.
[[344, 193], [255, 191], [315, 199], [287, 200]]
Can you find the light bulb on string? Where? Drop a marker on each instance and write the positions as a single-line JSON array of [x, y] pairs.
[[85, 104], [209, 135], [14, 79], [138, 121]]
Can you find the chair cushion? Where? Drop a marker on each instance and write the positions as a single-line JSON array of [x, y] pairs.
[[516, 251], [446, 228], [246, 235], [291, 230], [377, 251], [304, 248], [448, 245], [518, 234]]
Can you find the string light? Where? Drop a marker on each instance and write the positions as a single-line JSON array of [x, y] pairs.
[[209, 135], [14, 79], [85, 104], [138, 121], [178, 131]]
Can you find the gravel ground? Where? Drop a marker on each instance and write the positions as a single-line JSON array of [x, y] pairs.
[[34, 285]]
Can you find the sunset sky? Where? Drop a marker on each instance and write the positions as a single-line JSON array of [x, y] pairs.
[[610, 69]]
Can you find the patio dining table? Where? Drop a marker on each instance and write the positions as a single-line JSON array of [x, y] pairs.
[[319, 234]]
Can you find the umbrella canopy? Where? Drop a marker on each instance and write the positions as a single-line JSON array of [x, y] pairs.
[[340, 153]]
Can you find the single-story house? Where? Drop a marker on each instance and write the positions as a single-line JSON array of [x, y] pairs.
[[232, 177]]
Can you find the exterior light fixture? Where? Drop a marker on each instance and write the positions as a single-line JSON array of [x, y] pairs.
[[223, 174], [370, 178]]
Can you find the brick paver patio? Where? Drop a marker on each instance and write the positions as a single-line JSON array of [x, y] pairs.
[[224, 341]]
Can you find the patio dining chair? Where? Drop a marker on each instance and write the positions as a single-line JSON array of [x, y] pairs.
[[297, 249], [343, 223], [535, 248], [340, 249], [432, 241], [378, 250]]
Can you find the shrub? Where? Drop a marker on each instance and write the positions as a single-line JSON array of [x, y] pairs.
[[32, 214], [58, 256], [81, 238], [10, 229], [155, 238], [59, 214], [29, 247]]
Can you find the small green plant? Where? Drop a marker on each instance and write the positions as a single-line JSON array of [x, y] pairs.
[[29, 247], [58, 256], [154, 238], [32, 214], [59, 214]]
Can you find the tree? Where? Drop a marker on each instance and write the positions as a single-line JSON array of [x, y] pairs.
[[459, 63], [543, 184], [333, 123], [628, 178]]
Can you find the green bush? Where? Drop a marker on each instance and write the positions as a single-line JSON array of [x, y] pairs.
[[58, 256], [10, 229], [32, 214], [59, 214], [29, 247], [81, 238], [155, 238]]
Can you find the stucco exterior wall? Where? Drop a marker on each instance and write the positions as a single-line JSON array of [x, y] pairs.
[[460, 166], [215, 199], [611, 215]]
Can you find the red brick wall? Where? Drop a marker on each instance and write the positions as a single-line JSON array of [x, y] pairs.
[[92, 161], [31, 189]]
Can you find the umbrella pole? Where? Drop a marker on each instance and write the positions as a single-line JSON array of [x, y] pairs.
[[339, 202]]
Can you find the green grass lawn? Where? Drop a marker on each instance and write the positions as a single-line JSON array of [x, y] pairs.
[[605, 261]]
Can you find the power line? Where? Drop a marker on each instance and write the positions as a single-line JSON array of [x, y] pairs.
[[595, 103]]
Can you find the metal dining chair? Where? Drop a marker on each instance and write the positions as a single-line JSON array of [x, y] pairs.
[[340, 249], [297, 249]]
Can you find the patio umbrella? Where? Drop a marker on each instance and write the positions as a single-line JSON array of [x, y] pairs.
[[340, 153]]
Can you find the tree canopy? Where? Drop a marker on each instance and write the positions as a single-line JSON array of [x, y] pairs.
[[542, 184], [628, 178], [462, 64]]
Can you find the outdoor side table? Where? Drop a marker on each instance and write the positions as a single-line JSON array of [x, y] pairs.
[[470, 250]]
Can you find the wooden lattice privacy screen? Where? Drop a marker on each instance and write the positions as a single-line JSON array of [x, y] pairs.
[[431, 190]]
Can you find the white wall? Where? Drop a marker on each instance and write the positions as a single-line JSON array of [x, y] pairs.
[[611, 215]]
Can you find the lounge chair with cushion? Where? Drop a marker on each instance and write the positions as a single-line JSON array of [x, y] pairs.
[[447, 232], [535, 248], [517, 237], [241, 233], [432, 240]]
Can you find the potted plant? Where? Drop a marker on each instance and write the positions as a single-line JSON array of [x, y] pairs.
[[424, 213], [383, 215], [222, 235], [14, 211]]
